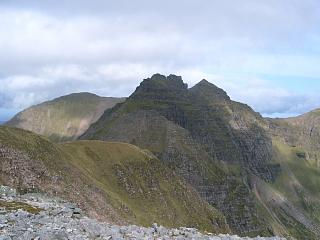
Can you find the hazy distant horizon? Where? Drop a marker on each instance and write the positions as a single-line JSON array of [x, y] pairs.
[[7, 114]]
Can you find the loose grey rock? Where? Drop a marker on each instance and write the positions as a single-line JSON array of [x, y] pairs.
[[6, 191], [61, 220]]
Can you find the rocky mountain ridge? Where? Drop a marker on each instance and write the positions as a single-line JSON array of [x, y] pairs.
[[194, 131]]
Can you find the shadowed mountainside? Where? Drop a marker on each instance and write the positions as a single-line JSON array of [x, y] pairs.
[[213, 142]]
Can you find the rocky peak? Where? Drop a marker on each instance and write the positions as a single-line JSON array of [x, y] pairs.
[[161, 87], [209, 91], [171, 81]]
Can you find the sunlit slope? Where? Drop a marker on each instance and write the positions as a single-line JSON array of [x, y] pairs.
[[64, 118], [117, 182]]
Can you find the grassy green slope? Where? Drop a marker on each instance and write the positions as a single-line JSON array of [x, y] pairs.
[[64, 118], [138, 180], [112, 181]]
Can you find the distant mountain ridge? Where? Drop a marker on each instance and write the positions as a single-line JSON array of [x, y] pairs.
[[64, 118]]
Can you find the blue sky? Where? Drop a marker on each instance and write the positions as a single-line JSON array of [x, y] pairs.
[[263, 53], [299, 84]]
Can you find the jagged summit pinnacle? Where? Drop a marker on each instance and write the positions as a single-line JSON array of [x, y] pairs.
[[170, 87], [170, 81], [161, 87], [209, 91], [204, 81]]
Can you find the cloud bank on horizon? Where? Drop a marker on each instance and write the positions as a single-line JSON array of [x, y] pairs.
[[263, 53]]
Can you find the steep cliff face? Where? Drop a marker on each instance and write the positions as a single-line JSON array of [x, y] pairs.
[[228, 131], [234, 132], [193, 131], [175, 146], [64, 118], [117, 182]]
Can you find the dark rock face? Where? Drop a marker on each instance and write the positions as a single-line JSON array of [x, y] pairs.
[[175, 146], [209, 91], [159, 87], [192, 130], [228, 131]]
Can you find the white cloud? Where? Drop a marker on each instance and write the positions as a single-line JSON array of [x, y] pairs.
[[108, 47], [264, 97], [110, 80]]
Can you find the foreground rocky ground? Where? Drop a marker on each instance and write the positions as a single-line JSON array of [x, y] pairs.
[[38, 217]]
